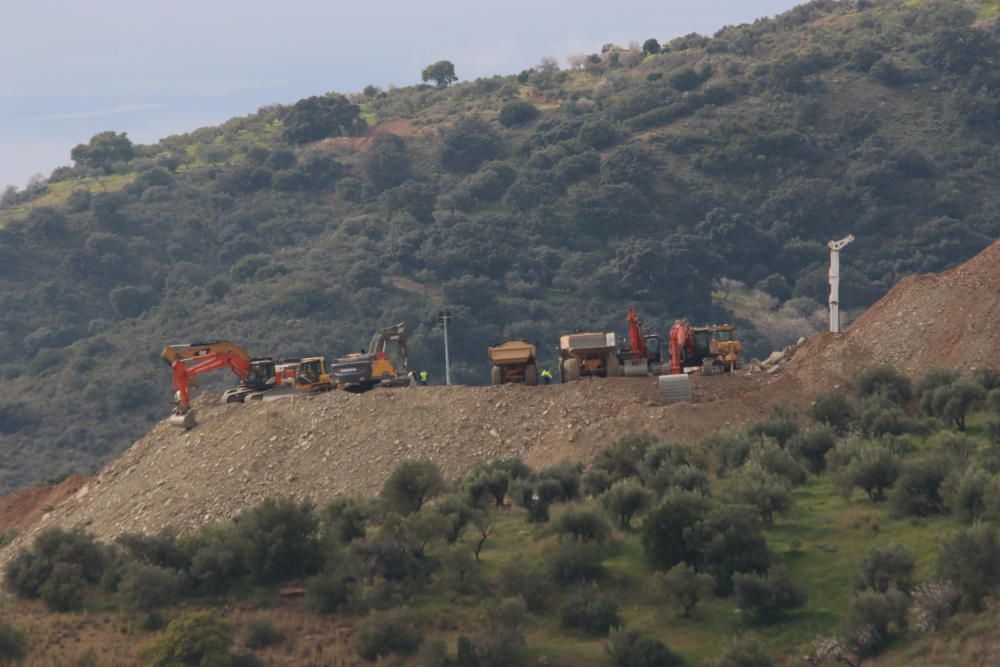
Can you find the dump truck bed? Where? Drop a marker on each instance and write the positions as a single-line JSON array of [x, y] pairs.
[[512, 352], [585, 342]]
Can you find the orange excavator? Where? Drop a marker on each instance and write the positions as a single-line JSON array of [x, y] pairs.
[[189, 360], [643, 354]]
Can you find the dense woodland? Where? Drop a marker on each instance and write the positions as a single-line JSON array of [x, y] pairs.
[[530, 204]]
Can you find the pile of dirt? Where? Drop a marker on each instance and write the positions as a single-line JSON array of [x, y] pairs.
[[950, 319], [320, 446], [22, 509]]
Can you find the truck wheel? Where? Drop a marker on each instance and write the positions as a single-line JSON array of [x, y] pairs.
[[530, 375], [571, 370], [612, 367], [496, 376]]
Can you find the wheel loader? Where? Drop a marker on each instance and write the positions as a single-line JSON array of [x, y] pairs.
[[513, 361], [384, 364], [588, 355]]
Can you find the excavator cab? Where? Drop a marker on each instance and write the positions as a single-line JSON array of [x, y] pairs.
[[385, 363], [311, 375]]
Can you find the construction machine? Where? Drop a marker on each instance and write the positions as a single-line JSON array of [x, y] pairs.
[[714, 349], [384, 364], [513, 361], [587, 354], [641, 354], [189, 360], [311, 376]]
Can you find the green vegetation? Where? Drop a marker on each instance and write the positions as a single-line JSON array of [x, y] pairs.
[[470, 572]]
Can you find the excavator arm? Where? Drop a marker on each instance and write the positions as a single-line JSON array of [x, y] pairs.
[[190, 360], [173, 353], [637, 341], [681, 342]]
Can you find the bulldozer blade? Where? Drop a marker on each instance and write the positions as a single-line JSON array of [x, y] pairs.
[[185, 421], [674, 389]]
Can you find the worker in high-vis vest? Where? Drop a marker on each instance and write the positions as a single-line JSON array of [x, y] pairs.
[[546, 375], [423, 376]]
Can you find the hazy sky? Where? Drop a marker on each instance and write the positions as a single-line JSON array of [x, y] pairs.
[[73, 68]]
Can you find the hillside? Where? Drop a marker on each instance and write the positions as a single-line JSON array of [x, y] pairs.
[[530, 204]]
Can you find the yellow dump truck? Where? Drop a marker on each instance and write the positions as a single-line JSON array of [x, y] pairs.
[[588, 354], [513, 361]]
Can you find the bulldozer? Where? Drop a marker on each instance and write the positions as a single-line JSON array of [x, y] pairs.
[[311, 376], [189, 360], [588, 355], [513, 361], [384, 364]]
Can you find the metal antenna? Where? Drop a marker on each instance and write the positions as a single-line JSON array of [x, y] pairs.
[[835, 248]]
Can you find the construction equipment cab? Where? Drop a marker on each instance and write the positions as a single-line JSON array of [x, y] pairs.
[[588, 354], [385, 363], [513, 361], [189, 360]]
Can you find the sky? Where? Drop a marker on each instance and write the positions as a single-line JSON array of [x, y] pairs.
[[73, 68]]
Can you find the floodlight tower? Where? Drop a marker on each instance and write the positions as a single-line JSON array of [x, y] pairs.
[[835, 248]]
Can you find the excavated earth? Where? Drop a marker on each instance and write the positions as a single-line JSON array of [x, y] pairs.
[[318, 447]]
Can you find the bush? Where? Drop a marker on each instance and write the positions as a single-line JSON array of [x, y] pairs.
[[536, 496], [13, 645], [624, 500], [833, 409], [411, 484], [885, 568], [684, 587], [28, 573], [517, 579], [932, 380], [781, 426], [918, 490], [281, 538], [876, 615], [755, 487], [972, 495], [146, 588], [596, 482], [260, 633], [328, 592], [568, 475], [458, 514], [971, 561], [746, 651], [161, 549], [812, 447], [884, 381], [584, 524], [866, 465], [217, 558], [767, 597], [589, 610], [624, 458], [346, 519], [778, 462], [196, 639], [663, 531], [517, 112], [467, 143], [387, 633], [630, 648], [503, 634], [934, 602], [571, 563], [729, 539], [64, 589], [952, 403]]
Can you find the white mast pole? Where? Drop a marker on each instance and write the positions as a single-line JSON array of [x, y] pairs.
[[835, 248]]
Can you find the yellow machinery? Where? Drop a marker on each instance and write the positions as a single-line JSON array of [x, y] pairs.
[[513, 361], [718, 347], [588, 354]]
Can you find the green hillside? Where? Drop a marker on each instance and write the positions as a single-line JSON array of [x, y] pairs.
[[530, 204]]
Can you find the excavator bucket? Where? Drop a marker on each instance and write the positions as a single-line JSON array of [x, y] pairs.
[[674, 389], [185, 421], [636, 368]]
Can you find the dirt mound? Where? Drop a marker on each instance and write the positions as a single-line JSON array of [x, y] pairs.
[[22, 509], [321, 446], [950, 319]]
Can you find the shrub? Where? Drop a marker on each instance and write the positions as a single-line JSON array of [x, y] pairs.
[[624, 458], [161, 549], [729, 539], [778, 462], [971, 495], [260, 633], [812, 446], [682, 478], [595, 482], [503, 634], [196, 639], [64, 589], [598, 134], [387, 633], [624, 500], [630, 648], [217, 558], [731, 450], [458, 514], [584, 524], [918, 490], [833, 409], [663, 531], [346, 519], [745, 651], [281, 538], [536, 496], [684, 587], [517, 579], [146, 588], [781, 426], [934, 378], [517, 112], [952, 403], [571, 563], [13, 645], [884, 381], [755, 487], [934, 602], [767, 597], [971, 561], [867, 465], [589, 610], [987, 378], [568, 475], [886, 567], [328, 592], [411, 484], [877, 615], [74, 553]]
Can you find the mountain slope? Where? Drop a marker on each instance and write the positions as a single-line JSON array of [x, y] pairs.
[[530, 204]]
